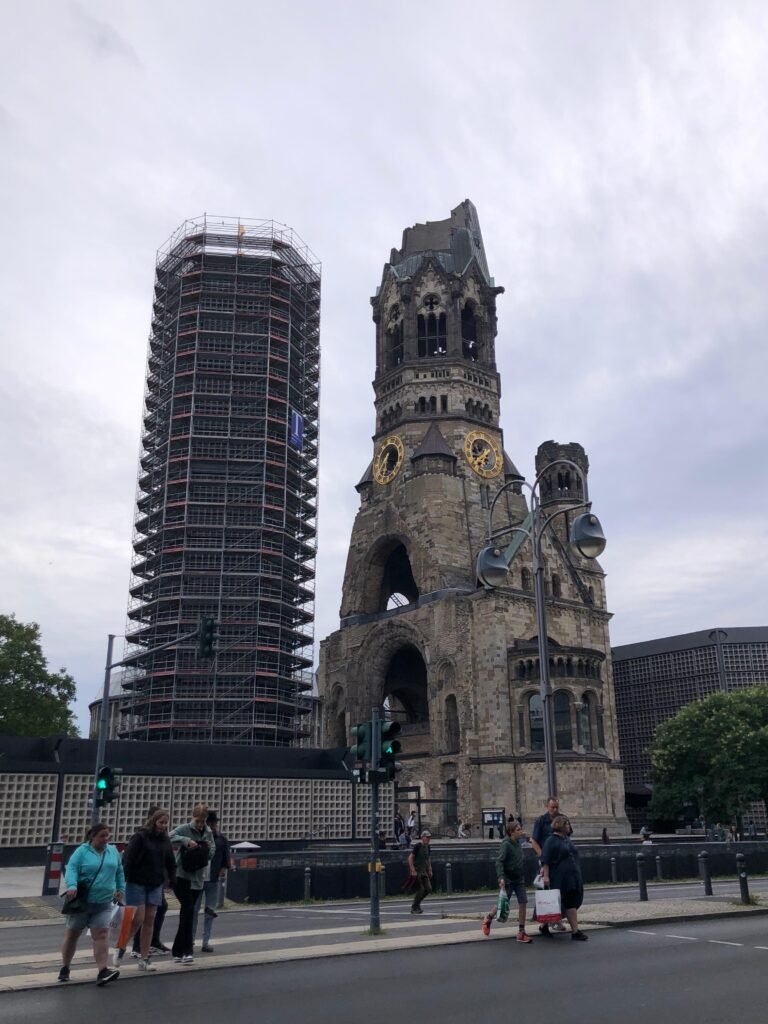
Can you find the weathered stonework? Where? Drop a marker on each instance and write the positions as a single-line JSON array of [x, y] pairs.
[[455, 664]]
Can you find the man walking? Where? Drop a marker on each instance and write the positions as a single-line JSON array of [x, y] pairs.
[[542, 830], [420, 865]]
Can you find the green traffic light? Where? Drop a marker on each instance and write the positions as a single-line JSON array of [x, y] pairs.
[[101, 784]]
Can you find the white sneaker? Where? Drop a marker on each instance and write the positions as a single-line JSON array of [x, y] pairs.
[[189, 959], [145, 965]]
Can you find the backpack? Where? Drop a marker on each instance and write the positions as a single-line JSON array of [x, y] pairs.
[[193, 858]]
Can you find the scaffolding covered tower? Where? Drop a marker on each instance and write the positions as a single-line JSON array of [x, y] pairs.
[[227, 490]]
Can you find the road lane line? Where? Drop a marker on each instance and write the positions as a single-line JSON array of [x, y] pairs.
[[634, 931], [720, 942], [688, 938]]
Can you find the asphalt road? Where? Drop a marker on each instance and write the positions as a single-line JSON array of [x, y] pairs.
[[703, 973]]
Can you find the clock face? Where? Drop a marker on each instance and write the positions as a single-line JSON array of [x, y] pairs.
[[483, 454], [388, 460]]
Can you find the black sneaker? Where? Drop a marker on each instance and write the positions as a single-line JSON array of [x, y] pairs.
[[579, 937], [64, 974], [107, 974], [544, 930], [416, 910], [207, 949], [210, 912]]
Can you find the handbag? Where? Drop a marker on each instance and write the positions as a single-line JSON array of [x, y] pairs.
[[79, 902], [193, 858], [548, 906], [538, 882]]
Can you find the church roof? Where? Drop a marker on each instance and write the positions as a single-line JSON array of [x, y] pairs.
[[453, 243], [366, 478], [510, 469], [433, 444]]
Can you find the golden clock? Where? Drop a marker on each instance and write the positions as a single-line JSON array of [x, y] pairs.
[[483, 453], [388, 459]]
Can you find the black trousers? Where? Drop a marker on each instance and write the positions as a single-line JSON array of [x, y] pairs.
[[187, 897], [160, 913]]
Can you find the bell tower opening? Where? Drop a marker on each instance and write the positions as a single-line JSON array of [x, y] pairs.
[[405, 689], [398, 587]]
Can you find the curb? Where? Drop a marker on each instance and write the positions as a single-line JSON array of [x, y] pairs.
[[673, 918]]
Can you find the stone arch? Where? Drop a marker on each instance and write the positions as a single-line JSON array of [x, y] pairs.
[[388, 572]]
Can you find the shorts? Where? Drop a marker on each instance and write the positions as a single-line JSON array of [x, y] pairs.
[[96, 915], [137, 895], [518, 888]]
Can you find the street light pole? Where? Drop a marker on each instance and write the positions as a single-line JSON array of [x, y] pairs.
[[586, 537]]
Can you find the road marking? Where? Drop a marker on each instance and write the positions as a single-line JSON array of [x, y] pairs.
[[761, 947], [634, 931], [688, 938], [720, 942]]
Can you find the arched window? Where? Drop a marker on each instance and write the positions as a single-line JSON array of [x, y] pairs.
[[469, 332], [525, 578], [431, 334], [452, 731], [563, 734], [433, 404], [536, 721], [586, 716], [557, 590], [395, 343], [422, 404], [451, 802], [521, 670]]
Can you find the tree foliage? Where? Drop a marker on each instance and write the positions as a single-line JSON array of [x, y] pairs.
[[713, 755], [33, 701]]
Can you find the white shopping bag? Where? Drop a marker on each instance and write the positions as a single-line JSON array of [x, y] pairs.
[[116, 923], [548, 906]]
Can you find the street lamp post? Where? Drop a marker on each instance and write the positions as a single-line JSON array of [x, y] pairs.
[[586, 537]]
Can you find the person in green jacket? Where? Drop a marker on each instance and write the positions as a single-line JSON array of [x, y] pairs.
[[96, 865], [190, 882], [509, 870]]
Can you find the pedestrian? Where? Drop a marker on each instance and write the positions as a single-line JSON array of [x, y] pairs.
[[95, 872], [509, 870], [156, 947], [560, 870], [194, 847], [411, 824], [221, 863], [606, 839], [420, 865], [399, 825], [542, 829], [149, 865]]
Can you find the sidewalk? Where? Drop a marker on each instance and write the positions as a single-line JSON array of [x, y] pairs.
[[39, 970]]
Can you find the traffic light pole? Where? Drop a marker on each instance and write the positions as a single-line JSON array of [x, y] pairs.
[[375, 758], [101, 744]]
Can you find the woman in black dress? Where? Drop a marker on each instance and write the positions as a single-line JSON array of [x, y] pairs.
[[560, 870]]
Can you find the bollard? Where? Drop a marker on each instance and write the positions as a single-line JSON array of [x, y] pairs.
[[641, 878], [614, 870], [659, 872], [741, 870], [449, 878], [704, 872], [220, 898], [307, 883], [53, 869], [383, 881]]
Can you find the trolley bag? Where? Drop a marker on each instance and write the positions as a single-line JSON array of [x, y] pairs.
[[548, 906]]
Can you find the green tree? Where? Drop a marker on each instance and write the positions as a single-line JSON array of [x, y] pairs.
[[33, 701], [714, 755]]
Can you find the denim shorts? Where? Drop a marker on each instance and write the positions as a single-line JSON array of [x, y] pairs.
[[137, 895], [518, 888], [97, 915]]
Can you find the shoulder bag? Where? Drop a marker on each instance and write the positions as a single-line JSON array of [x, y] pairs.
[[79, 902]]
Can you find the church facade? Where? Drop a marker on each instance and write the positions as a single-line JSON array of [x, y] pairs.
[[419, 638]]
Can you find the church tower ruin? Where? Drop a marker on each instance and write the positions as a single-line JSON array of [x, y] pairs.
[[455, 664]]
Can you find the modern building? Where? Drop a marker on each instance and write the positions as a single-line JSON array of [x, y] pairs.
[[655, 678], [226, 505], [419, 638]]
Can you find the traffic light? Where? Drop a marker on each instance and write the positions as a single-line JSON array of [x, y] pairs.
[[390, 747], [361, 734], [206, 637], [108, 784]]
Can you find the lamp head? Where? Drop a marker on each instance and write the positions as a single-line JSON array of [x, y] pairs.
[[587, 537], [492, 568]]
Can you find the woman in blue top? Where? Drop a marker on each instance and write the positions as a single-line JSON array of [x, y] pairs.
[[98, 865], [560, 870]]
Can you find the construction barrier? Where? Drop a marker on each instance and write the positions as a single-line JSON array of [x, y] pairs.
[[54, 868]]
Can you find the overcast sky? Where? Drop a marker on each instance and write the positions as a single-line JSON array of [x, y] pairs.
[[617, 154]]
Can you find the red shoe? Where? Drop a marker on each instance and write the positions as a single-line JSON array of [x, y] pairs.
[[524, 937], [487, 924]]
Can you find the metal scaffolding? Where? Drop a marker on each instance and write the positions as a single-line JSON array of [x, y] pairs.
[[227, 489]]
